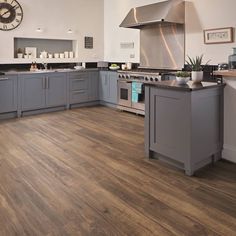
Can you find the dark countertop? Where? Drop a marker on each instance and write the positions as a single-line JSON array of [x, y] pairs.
[[190, 86], [16, 72]]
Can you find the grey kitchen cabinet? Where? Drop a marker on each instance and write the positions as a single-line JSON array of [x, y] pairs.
[[42, 90], [56, 89], [113, 77], [108, 86], [104, 86], [32, 91], [93, 86], [78, 87], [184, 125], [83, 87], [8, 93]]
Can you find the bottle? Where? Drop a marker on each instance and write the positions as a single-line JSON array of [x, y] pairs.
[[232, 60]]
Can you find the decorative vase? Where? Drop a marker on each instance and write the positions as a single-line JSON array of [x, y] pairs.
[[197, 76]]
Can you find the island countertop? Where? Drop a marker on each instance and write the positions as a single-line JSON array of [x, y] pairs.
[[190, 86], [225, 73]]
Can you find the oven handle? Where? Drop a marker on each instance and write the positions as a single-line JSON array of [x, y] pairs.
[[124, 81]]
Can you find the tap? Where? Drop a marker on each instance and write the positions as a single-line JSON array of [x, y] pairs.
[[45, 66]]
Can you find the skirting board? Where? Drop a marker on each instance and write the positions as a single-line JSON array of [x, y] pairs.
[[229, 153]]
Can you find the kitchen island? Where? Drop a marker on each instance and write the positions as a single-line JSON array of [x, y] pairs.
[[184, 123]]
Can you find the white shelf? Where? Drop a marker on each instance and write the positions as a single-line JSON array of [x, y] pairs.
[[38, 60]]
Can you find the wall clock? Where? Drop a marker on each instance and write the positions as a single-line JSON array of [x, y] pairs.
[[11, 14]]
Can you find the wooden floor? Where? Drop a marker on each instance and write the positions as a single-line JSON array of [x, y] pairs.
[[83, 172]]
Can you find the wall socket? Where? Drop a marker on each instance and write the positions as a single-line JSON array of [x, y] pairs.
[[132, 55]]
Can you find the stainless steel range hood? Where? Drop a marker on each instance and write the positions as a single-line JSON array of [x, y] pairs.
[[166, 12], [162, 33]]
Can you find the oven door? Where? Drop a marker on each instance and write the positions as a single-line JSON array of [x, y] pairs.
[[124, 93]]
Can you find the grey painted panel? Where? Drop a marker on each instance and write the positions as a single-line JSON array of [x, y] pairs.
[[8, 93], [32, 91], [79, 87], [80, 82], [56, 90], [206, 128], [93, 86], [108, 86], [169, 134], [113, 77], [104, 86], [79, 96]]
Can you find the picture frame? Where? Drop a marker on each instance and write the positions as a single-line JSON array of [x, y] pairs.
[[218, 35]]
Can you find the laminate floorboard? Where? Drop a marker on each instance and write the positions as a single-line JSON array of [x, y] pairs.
[[84, 172]]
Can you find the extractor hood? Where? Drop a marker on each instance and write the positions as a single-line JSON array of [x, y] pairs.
[[169, 12]]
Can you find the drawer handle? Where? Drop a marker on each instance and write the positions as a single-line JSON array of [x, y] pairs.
[[4, 78], [78, 79], [79, 91]]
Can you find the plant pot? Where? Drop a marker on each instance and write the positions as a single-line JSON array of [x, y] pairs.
[[182, 80], [197, 76], [19, 55]]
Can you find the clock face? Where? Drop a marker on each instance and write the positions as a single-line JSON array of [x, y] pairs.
[[11, 14]]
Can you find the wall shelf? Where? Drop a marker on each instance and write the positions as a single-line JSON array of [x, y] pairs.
[[38, 60]]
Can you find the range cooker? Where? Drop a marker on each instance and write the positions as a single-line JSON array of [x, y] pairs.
[[131, 92]]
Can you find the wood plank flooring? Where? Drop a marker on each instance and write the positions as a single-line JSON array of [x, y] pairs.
[[83, 172]]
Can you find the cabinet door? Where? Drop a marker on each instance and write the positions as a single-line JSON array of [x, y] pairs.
[[93, 86], [104, 86], [8, 93], [113, 77], [56, 89], [169, 122], [79, 87], [32, 91]]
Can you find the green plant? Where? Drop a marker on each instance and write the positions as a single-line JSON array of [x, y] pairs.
[[182, 74], [196, 63], [19, 50]]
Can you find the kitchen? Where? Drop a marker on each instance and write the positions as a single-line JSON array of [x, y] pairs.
[[83, 171]]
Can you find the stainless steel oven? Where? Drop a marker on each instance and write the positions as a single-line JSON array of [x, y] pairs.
[[131, 92], [124, 93]]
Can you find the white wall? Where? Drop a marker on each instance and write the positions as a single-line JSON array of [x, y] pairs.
[[85, 17], [200, 15], [114, 12]]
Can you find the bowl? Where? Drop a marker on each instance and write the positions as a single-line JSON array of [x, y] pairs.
[[79, 67], [114, 68], [182, 80]]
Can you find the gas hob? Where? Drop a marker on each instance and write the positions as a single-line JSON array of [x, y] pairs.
[[145, 75]]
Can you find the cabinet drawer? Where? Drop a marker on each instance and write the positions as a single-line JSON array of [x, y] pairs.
[[78, 84], [79, 96], [8, 94]]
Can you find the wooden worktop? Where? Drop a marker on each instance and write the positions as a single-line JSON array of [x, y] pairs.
[[226, 73]]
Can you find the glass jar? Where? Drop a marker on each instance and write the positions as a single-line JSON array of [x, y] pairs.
[[232, 60]]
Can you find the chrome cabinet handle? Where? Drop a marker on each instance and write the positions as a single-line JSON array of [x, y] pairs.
[[43, 82], [47, 79], [4, 78]]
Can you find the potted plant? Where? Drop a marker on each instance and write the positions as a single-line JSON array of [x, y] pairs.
[[196, 67], [182, 77], [19, 53]]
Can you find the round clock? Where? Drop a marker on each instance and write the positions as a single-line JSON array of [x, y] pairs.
[[11, 14]]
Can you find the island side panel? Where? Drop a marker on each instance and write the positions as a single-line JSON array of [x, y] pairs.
[[207, 126]]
